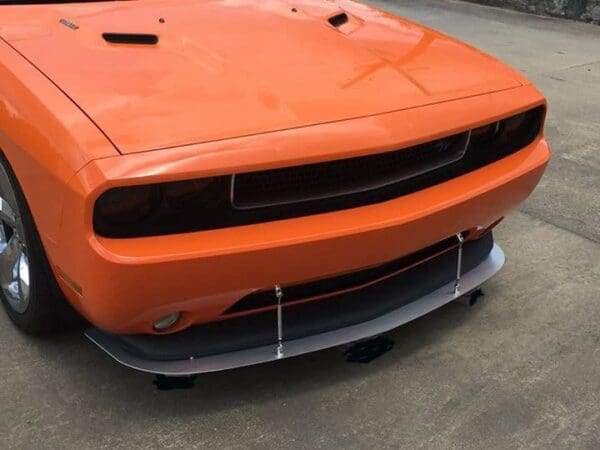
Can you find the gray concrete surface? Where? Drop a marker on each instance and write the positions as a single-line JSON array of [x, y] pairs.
[[586, 10], [521, 369]]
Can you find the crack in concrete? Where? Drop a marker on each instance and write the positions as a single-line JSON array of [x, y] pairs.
[[591, 63], [560, 227]]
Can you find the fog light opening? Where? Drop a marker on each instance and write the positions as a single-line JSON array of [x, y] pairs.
[[167, 322]]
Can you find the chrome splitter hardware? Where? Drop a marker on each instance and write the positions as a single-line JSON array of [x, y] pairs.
[[461, 240], [279, 296]]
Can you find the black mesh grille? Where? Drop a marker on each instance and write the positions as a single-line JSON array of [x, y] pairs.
[[344, 177]]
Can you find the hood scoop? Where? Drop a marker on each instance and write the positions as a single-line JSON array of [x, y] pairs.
[[131, 38], [338, 20]]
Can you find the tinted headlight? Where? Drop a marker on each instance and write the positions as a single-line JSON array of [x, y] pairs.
[[188, 194], [125, 205], [164, 208], [507, 136], [484, 135]]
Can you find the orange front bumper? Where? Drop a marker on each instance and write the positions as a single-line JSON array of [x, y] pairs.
[[128, 284], [124, 285]]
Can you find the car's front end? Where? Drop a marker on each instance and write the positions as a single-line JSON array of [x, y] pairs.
[[199, 255], [347, 187]]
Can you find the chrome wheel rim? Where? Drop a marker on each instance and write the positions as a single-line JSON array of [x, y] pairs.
[[14, 262]]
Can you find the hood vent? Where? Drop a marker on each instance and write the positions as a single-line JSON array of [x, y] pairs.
[[338, 20], [131, 38]]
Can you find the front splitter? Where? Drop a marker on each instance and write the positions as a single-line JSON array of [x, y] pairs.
[[470, 281]]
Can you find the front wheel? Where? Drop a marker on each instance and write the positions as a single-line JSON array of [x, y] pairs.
[[28, 289]]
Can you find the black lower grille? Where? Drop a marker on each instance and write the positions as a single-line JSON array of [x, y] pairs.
[[353, 280]]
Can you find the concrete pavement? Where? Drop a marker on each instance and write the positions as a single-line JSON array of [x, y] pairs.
[[520, 369]]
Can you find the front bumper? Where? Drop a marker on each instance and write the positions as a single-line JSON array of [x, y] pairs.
[[385, 306], [129, 284], [123, 286]]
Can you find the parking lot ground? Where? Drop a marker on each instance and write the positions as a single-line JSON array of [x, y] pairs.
[[520, 369]]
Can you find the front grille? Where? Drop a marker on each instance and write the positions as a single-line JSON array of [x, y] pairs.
[[333, 285], [344, 177]]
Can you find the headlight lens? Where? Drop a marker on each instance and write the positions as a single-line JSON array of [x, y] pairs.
[[184, 194], [498, 139], [127, 204], [484, 135], [158, 209]]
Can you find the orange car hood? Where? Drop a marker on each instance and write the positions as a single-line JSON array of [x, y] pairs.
[[228, 68]]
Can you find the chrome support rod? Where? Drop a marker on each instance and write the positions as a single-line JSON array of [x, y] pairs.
[[461, 240], [279, 296]]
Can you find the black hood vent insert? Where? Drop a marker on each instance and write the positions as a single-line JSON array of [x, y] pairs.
[[131, 38]]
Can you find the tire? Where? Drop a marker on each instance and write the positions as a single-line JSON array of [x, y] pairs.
[[28, 289]]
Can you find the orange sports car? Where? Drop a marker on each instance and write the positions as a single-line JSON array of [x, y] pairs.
[[218, 183]]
